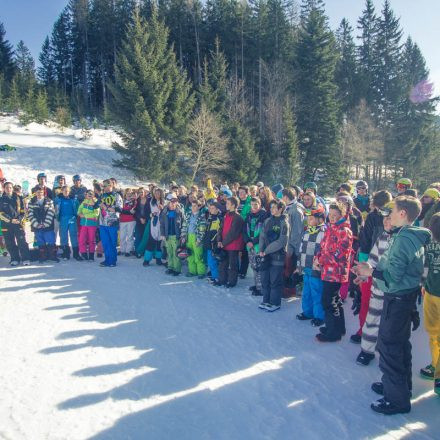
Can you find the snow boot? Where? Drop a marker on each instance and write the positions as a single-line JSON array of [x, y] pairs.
[[42, 254], [14, 263], [383, 406], [316, 322], [427, 372], [76, 254], [146, 263], [263, 306], [272, 308], [91, 256], [52, 252], [85, 256], [99, 255], [356, 339], [253, 288], [364, 358], [159, 262], [127, 254], [377, 387], [66, 253], [437, 387], [321, 337], [257, 292], [302, 317]]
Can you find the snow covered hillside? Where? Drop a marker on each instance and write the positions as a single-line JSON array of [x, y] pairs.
[[49, 149], [130, 353]]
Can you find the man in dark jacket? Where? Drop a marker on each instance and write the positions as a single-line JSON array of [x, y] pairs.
[[12, 214], [273, 246], [230, 238], [78, 191], [42, 183]]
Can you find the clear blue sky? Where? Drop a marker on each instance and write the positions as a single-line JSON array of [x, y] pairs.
[[32, 20]]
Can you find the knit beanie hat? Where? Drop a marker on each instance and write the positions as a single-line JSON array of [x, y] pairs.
[[433, 193]]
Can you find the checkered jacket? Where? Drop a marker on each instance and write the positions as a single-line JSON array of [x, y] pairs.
[[310, 246]]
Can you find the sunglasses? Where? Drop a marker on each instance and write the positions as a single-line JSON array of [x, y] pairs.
[[361, 187]]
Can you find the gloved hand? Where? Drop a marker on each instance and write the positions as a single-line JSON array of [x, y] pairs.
[[356, 307], [415, 319]]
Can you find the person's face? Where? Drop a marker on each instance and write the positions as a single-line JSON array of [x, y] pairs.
[[40, 194], [426, 200], [42, 181], [229, 206], [66, 192], [242, 194], [361, 190], [253, 192], [89, 196], [61, 181], [77, 183], [194, 208], [307, 200], [387, 223], [255, 207], [107, 187], [334, 216], [312, 220], [172, 205], [157, 195], [213, 209], [9, 189], [180, 191], [401, 188], [397, 217], [274, 210], [261, 193]]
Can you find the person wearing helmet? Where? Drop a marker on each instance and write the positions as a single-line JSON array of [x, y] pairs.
[[403, 184], [362, 200], [78, 191], [313, 187], [42, 184], [58, 183]]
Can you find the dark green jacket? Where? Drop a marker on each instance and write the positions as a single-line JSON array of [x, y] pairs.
[[400, 269], [245, 208], [432, 284]]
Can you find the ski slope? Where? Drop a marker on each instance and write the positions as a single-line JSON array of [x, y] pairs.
[[130, 353]]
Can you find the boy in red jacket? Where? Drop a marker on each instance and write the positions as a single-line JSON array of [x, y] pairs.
[[333, 261], [230, 238]]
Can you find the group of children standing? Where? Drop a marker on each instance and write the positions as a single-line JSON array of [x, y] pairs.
[[367, 246]]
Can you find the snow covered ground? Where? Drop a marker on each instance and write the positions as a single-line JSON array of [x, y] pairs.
[[130, 353]]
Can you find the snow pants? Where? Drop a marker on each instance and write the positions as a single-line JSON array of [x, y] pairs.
[[365, 301], [15, 241], [212, 264], [253, 263], [272, 284], [126, 236], [173, 260], [196, 266], [68, 229], [228, 269], [244, 263], [87, 239], [109, 239], [312, 295], [395, 349], [370, 330], [431, 313], [45, 237], [333, 311]]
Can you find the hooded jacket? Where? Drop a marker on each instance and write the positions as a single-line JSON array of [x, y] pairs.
[[90, 214], [253, 227], [11, 208], [41, 214], [274, 238], [400, 269], [336, 248], [369, 233], [295, 215], [231, 232], [177, 220]]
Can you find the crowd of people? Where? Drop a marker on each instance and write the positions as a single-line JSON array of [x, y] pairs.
[[383, 250]]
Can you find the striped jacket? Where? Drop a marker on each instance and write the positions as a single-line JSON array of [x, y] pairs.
[[379, 248], [310, 247], [43, 214]]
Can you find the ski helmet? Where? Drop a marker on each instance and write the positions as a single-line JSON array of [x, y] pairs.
[[311, 185], [76, 177], [361, 184], [405, 182], [41, 175]]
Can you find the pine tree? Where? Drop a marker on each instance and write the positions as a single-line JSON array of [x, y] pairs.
[[2, 91], [290, 158], [46, 71], [7, 64], [151, 101], [347, 77], [368, 24], [13, 103], [41, 108], [318, 108], [25, 69]]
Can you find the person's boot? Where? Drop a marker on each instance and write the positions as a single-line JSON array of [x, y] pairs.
[[76, 254], [42, 254], [91, 256], [85, 255], [66, 253], [52, 251]]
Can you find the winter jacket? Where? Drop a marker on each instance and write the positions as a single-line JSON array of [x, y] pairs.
[[177, 222], [231, 232], [434, 209], [432, 284], [109, 200], [274, 239], [295, 215], [310, 247], [335, 254], [362, 203], [11, 208], [253, 227], [200, 226], [212, 228], [43, 214], [379, 248], [47, 191], [209, 192], [65, 207], [78, 193], [244, 208], [142, 211], [400, 269], [373, 227], [90, 214], [126, 215]]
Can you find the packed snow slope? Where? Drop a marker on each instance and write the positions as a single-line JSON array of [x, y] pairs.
[[130, 353], [55, 151]]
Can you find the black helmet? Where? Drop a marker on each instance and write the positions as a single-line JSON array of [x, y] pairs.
[[361, 184]]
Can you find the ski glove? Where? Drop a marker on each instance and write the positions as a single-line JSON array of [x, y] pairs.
[[356, 307]]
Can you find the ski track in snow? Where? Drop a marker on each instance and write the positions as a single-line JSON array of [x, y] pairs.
[[131, 353]]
